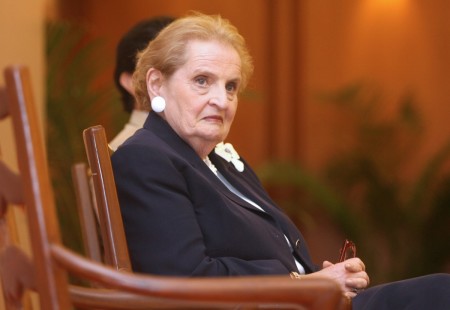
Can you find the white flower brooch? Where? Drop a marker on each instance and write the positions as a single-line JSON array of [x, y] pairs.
[[227, 152]]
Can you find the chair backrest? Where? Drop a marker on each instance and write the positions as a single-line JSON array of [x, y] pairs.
[[15, 265], [16, 269], [86, 211], [110, 218], [53, 261], [39, 202]]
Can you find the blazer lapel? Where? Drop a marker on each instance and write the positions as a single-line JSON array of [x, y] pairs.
[[223, 189], [259, 196], [160, 128], [240, 181]]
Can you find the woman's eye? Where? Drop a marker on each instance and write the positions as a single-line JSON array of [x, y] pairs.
[[231, 87], [201, 80]]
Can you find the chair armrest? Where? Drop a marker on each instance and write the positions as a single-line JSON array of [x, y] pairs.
[[310, 293], [87, 298]]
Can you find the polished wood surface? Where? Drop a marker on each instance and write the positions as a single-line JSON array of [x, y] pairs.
[[86, 211], [16, 269], [110, 218]]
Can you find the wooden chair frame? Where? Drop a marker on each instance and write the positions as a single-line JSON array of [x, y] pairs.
[[53, 261], [110, 218], [86, 211]]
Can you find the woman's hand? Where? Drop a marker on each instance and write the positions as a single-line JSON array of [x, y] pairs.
[[350, 275]]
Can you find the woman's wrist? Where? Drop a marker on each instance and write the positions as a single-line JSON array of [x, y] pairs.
[[295, 275]]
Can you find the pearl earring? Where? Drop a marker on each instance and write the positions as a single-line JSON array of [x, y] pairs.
[[158, 104]]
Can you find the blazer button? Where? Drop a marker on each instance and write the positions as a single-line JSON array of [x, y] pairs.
[[297, 244]]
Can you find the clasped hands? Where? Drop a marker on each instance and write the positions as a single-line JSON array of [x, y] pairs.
[[350, 275]]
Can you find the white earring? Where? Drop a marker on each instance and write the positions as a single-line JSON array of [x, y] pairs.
[[158, 104]]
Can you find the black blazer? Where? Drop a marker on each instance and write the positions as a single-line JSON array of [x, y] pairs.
[[181, 220]]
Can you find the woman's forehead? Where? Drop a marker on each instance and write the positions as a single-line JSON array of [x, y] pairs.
[[212, 53]]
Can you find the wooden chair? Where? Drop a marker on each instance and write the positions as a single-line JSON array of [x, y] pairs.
[[16, 270], [86, 211], [53, 262], [110, 218]]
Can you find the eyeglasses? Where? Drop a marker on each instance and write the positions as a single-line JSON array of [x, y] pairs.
[[347, 251]]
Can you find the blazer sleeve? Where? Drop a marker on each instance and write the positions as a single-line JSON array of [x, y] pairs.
[[162, 231]]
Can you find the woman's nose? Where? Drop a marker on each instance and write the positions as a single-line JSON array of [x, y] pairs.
[[218, 96]]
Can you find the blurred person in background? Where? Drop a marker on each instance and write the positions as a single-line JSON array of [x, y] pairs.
[[136, 39]]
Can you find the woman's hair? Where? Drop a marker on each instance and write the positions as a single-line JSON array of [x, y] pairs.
[[167, 52]]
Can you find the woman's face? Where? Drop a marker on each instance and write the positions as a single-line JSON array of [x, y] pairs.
[[201, 96]]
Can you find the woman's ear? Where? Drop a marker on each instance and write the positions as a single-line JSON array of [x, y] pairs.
[[154, 82]]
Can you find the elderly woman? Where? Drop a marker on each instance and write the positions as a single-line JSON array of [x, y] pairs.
[[191, 206]]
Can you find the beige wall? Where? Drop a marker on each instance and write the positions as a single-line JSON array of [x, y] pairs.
[[399, 45], [22, 42], [22, 37]]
